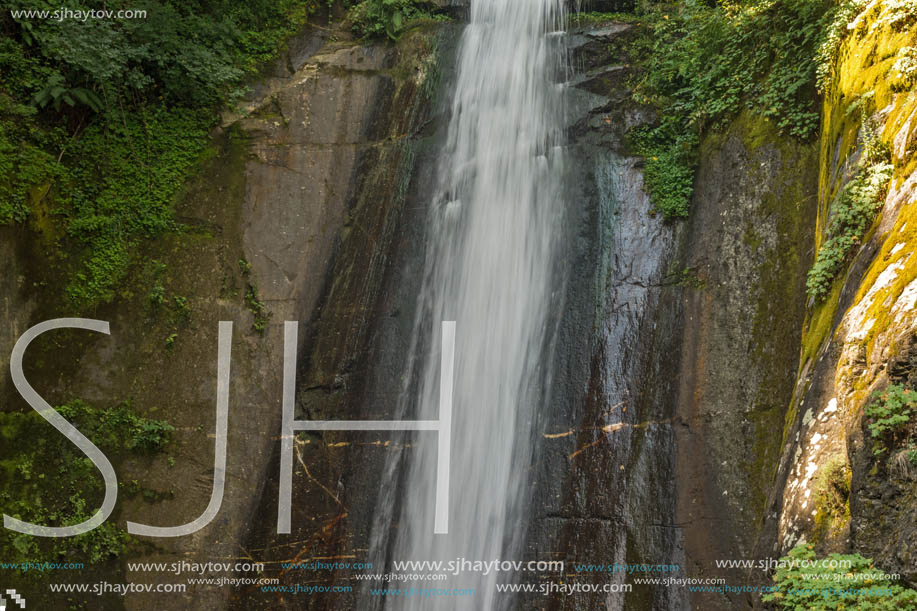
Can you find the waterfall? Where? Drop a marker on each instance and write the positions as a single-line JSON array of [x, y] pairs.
[[492, 261]]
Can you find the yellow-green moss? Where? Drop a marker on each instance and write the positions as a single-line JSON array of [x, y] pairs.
[[879, 309], [831, 494], [787, 205], [861, 87], [866, 57], [819, 324]]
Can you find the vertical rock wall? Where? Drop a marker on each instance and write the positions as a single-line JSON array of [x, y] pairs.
[[861, 337], [290, 217], [745, 251]]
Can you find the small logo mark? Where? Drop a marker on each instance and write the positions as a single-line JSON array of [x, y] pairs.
[[16, 599]]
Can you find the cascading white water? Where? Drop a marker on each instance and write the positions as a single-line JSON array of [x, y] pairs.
[[491, 261]]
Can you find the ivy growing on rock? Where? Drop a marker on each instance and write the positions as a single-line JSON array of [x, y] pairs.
[[892, 419], [702, 64], [48, 481], [839, 581], [851, 214], [101, 120]]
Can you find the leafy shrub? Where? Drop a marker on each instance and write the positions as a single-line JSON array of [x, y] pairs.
[[386, 17], [25, 163], [892, 418], [702, 65], [834, 33], [256, 306], [852, 212], [584, 18], [188, 53], [157, 295], [709, 62], [117, 429], [898, 14], [102, 119], [141, 160], [181, 308], [903, 72], [669, 167], [149, 436], [829, 584], [47, 480]]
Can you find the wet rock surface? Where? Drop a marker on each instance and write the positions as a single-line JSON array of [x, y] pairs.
[[383, 147], [291, 217], [745, 252], [883, 490], [662, 369], [603, 480]]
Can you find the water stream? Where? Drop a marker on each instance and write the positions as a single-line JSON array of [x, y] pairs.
[[492, 265]]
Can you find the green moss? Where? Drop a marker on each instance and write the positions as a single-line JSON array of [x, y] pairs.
[[904, 233], [831, 494], [46, 480], [591, 18], [786, 205], [750, 237], [820, 323], [762, 458], [804, 582], [859, 85]]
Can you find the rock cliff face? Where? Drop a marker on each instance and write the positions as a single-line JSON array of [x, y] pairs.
[[861, 338], [290, 217], [699, 395], [388, 94], [744, 254], [602, 483]]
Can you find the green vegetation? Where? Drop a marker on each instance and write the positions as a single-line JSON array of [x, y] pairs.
[[702, 64], [893, 419], [260, 312], [851, 213], [831, 491], [140, 163], [904, 71], [46, 480], [670, 158], [157, 295], [376, 18], [898, 14], [585, 18], [830, 584], [835, 30], [101, 120], [117, 429]]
